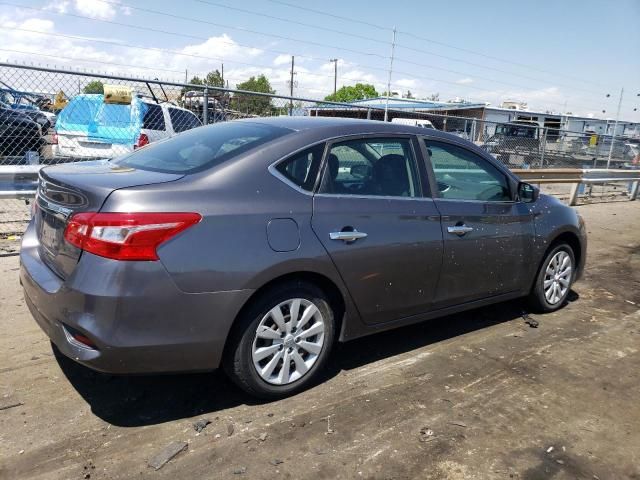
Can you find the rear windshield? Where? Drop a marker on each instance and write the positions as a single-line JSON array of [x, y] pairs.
[[201, 148]]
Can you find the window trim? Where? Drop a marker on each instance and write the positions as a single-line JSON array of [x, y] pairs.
[[273, 168], [432, 175], [421, 184]]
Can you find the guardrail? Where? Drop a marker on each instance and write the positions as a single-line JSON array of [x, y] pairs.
[[21, 181], [579, 176], [18, 181]]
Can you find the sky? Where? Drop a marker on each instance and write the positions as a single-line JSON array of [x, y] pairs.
[[560, 56]]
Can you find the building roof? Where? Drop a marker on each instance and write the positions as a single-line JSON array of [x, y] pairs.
[[404, 104]]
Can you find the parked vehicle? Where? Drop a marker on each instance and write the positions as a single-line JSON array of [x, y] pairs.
[[90, 128], [519, 136], [19, 134], [36, 106], [36, 115], [415, 122], [256, 244]]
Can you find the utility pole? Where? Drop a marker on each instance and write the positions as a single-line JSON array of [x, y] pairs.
[[615, 127], [186, 77], [393, 48], [335, 74], [291, 87], [222, 74]]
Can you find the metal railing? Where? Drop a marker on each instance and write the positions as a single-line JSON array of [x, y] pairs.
[[579, 177]]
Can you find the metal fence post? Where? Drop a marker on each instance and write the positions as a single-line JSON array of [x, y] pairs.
[[205, 106], [634, 190], [544, 146], [368, 114]]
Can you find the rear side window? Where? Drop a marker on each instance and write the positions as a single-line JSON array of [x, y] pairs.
[[153, 117], [183, 120], [302, 168], [201, 148]]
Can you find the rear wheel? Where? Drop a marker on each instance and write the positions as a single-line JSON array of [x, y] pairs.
[[554, 279], [282, 341]]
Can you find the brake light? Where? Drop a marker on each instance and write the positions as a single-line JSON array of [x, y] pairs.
[[126, 236], [143, 140]]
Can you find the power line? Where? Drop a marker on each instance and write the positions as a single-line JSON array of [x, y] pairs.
[[89, 60], [491, 57], [275, 51], [154, 49], [485, 67], [362, 22], [424, 39], [186, 35], [287, 20]]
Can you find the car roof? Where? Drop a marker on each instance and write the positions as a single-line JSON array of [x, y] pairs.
[[347, 126]]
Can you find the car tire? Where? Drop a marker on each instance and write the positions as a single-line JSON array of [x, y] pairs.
[[554, 279], [259, 347]]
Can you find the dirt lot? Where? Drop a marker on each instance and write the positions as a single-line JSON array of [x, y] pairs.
[[479, 395]]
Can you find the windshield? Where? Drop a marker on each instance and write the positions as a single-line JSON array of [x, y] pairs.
[[201, 148]]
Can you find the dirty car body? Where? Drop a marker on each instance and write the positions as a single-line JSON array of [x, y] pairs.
[[325, 202]]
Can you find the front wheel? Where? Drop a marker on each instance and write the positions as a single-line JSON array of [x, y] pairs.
[[282, 341], [554, 279]]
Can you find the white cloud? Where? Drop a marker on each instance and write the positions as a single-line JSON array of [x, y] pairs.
[[60, 6], [282, 59], [406, 83], [464, 81], [96, 9]]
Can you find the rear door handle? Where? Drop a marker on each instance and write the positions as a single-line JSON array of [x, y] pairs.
[[347, 236], [459, 230]]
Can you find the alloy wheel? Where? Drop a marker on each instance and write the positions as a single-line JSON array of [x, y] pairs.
[[288, 341], [557, 277]]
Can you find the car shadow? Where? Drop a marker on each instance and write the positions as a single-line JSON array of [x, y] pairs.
[[130, 401]]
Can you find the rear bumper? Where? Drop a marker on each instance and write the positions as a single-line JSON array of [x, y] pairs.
[[134, 313]]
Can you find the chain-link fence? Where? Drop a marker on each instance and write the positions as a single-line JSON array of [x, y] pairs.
[[49, 116]]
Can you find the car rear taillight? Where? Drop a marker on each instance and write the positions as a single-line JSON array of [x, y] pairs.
[[143, 140], [126, 236]]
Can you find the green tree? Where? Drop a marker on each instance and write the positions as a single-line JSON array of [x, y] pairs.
[[349, 93], [409, 94], [254, 104], [94, 86], [434, 97], [214, 79]]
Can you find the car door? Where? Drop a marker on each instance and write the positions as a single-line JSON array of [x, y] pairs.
[[374, 216], [487, 235]]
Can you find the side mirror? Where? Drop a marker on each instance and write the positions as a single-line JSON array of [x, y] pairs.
[[527, 193]]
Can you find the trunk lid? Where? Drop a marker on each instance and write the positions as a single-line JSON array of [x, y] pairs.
[[79, 145], [82, 187]]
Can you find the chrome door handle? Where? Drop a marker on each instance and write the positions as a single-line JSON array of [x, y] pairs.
[[347, 236], [459, 230]]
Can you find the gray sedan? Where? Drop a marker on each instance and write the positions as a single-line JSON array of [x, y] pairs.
[[255, 245]]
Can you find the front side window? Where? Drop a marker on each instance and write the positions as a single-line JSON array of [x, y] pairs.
[[302, 168], [463, 175], [372, 166]]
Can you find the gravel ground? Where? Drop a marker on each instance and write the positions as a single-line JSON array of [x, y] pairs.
[[479, 395]]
